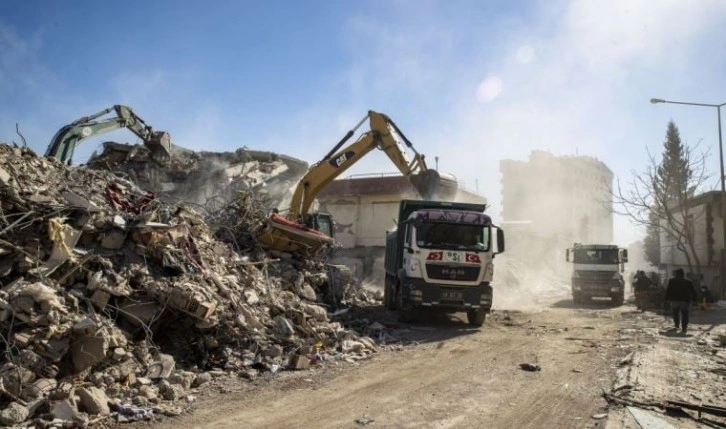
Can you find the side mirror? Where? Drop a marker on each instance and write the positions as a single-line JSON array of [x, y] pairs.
[[567, 255], [500, 240], [624, 255]]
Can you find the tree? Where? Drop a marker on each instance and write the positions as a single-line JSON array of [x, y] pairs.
[[651, 242], [660, 197]]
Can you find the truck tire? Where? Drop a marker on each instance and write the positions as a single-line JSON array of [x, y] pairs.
[[404, 314], [389, 298], [476, 317], [618, 299]]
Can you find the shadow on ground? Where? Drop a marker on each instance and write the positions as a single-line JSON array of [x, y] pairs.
[[595, 304], [426, 325]]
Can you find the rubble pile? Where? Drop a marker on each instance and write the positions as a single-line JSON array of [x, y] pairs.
[[114, 303], [203, 178]]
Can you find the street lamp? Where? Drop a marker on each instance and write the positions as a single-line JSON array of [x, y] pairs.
[[723, 179]]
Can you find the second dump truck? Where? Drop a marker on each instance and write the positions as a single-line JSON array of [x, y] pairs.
[[597, 272], [441, 257]]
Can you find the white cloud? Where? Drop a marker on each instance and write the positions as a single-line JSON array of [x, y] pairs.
[[489, 89]]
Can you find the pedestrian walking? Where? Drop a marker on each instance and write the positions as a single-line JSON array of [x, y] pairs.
[[680, 293]]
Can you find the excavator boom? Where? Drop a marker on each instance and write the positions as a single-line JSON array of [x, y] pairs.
[[65, 140], [303, 230], [383, 135]]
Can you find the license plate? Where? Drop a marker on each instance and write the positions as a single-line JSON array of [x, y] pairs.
[[450, 256], [451, 295]]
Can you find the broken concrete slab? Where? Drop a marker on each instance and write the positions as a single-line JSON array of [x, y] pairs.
[[93, 400], [202, 379], [161, 368], [63, 410], [4, 176], [14, 378], [182, 378], [100, 298], [283, 327], [38, 389], [88, 350], [13, 414], [298, 362], [140, 313]]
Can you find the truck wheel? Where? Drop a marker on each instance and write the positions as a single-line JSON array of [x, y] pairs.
[[476, 317], [618, 299], [389, 299], [405, 315]]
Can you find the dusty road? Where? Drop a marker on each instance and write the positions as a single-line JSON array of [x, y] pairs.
[[452, 377]]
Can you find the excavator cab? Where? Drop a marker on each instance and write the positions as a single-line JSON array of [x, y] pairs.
[[322, 222]]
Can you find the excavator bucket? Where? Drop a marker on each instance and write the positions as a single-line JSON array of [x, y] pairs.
[[427, 183], [160, 146]]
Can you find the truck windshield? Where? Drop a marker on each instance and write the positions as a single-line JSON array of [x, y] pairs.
[[596, 256], [452, 236]]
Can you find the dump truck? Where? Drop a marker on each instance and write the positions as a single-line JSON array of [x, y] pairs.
[[440, 257], [597, 272]]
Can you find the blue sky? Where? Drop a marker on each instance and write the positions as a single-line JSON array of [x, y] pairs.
[[472, 82]]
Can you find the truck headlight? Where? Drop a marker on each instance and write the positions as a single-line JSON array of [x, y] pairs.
[[614, 289], [414, 266], [577, 287]]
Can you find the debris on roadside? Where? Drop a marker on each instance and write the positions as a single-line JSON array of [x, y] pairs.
[[115, 303], [530, 367], [366, 420]]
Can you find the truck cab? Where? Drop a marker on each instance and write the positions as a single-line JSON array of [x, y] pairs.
[[441, 257], [597, 272]]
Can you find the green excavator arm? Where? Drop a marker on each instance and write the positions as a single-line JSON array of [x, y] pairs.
[[67, 138]]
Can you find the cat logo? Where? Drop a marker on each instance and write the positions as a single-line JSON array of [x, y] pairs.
[[341, 159]]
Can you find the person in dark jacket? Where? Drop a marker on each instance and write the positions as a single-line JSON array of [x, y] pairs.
[[680, 293]]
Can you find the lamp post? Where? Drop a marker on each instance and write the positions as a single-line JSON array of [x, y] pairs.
[[722, 263]]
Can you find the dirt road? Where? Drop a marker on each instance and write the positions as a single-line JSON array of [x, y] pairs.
[[452, 377]]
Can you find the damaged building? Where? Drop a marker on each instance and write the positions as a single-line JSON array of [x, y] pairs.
[[114, 302], [550, 202]]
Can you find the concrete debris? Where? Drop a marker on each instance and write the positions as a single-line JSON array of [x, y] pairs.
[[119, 298], [13, 414], [93, 400]]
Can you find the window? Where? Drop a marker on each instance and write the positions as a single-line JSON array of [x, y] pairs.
[[453, 236]]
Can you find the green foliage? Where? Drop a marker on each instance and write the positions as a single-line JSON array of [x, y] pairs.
[[673, 174]]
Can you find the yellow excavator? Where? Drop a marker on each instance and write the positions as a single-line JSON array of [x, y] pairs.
[[65, 140], [301, 229]]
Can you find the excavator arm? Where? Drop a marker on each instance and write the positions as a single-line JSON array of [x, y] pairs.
[[339, 160], [65, 140]]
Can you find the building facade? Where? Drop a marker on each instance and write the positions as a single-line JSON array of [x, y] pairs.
[[703, 258], [567, 194], [550, 202]]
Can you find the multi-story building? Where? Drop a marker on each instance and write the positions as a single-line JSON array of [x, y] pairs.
[[701, 256], [550, 202]]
